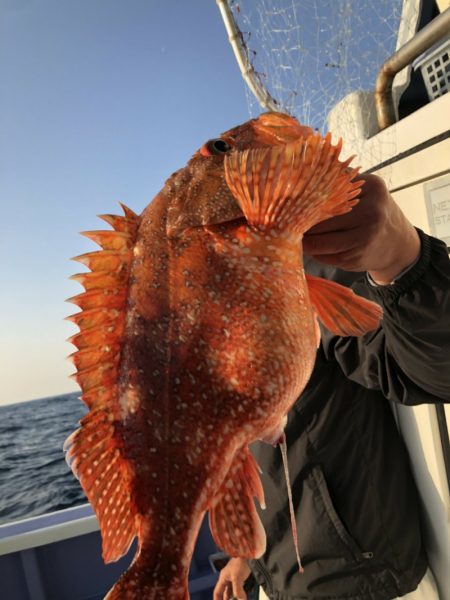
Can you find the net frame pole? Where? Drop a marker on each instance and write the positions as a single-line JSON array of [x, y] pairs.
[[426, 37], [241, 54]]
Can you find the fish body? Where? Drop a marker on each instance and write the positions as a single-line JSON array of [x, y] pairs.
[[199, 333]]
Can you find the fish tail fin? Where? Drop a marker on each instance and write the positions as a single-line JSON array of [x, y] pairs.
[[129, 587], [291, 187]]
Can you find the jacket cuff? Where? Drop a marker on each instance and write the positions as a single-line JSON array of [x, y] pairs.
[[406, 279]]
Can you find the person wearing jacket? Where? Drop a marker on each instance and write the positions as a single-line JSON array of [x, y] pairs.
[[355, 499]]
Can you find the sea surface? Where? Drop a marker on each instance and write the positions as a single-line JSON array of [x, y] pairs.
[[34, 476]]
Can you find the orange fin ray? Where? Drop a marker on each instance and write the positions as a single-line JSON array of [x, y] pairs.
[[117, 241], [104, 260], [94, 317], [89, 357], [99, 396], [292, 187], [341, 310], [100, 279], [108, 332], [95, 450], [127, 224], [235, 524], [105, 478], [96, 298], [101, 374]]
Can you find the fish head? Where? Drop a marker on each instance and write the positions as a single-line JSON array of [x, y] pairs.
[[199, 195]]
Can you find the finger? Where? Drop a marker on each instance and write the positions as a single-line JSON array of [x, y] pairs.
[[238, 589], [348, 261], [374, 188], [228, 595], [348, 220], [221, 589], [332, 243]]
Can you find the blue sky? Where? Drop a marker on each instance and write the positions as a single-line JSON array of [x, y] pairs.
[[100, 102]]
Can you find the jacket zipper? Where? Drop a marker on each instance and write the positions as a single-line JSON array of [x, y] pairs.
[[266, 576]]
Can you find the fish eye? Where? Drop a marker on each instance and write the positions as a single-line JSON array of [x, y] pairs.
[[219, 146], [216, 146]]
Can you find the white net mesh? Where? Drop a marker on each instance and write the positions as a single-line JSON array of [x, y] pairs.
[[311, 53]]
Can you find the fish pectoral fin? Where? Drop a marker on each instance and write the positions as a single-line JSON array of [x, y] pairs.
[[235, 525], [291, 187], [341, 310], [95, 458]]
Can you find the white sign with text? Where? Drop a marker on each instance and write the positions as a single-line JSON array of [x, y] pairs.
[[437, 198]]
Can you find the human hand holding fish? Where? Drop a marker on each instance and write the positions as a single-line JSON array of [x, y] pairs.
[[231, 580], [198, 332], [375, 236]]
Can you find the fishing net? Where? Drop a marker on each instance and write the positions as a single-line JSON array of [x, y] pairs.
[[311, 54]]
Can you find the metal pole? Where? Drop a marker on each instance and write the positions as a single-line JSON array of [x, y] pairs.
[[245, 66], [424, 39]]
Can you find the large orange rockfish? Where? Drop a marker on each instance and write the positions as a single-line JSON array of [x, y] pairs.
[[198, 331]]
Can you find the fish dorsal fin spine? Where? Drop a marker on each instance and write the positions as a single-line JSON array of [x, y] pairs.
[[95, 450], [292, 187]]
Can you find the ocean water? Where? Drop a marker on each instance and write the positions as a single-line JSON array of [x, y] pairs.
[[34, 476]]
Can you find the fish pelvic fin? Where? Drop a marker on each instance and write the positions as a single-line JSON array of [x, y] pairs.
[[235, 525], [95, 451], [341, 310], [292, 187]]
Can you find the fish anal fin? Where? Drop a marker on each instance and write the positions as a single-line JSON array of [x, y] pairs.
[[291, 187], [235, 525], [341, 310], [94, 454]]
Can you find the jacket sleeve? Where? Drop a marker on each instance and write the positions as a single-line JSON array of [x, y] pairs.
[[408, 357]]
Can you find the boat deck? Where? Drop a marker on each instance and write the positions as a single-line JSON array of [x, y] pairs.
[[58, 557]]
